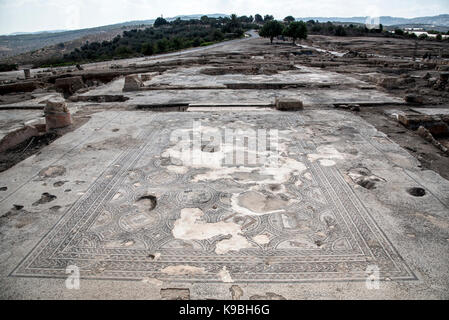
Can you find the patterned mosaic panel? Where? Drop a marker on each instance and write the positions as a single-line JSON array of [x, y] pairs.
[[325, 235]]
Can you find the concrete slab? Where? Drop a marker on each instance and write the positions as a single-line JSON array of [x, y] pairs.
[[193, 76], [227, 108], [309, 96], [432, 111], [341, 88]]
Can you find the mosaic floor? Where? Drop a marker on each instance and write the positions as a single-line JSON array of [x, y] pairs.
[[314, 227]]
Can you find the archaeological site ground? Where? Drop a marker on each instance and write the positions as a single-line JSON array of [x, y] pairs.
[[238, 170]]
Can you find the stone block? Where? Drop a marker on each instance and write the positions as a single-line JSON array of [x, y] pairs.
[[289, 104], [389, 83], [58, 120], [69, 85], [433, 124], [413, 99], [445, 118], [27, 73], [57, 114], [55, 105], [145, 77], [24, 86], [442, 68], [132, 83]]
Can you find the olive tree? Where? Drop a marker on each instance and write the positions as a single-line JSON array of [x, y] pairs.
[[296, 30], [160, 22], [258, 18], [268, 17], [271, 29], [289, 19]]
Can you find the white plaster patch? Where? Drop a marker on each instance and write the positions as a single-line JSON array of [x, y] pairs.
[[325, 154], [128, 243], [182, 270], [261, 239], [157, 255], [236, 243], [222, 173], [225, 275], [270, 174], [117, 195], [187, 227], [277, 167], [256, 203], [327, 162], [177, 169]]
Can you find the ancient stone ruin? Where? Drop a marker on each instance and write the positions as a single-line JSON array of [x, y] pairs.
[[240, 170], [57, 115], [132, 83]]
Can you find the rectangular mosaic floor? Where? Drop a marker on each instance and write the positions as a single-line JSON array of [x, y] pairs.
[[324, 233]]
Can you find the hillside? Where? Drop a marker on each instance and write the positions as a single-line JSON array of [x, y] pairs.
[[11, 45], [54, 51]]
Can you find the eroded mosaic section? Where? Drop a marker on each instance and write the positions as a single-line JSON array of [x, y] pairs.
[[155, 214]]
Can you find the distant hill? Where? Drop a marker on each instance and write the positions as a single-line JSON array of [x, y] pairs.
[[440, 20], [37, 32], [21, 42], [134, 22]]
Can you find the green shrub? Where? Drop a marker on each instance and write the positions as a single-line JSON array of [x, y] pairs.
[[163, 37], [8, 67]]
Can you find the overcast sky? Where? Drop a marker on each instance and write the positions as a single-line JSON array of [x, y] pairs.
[[38, 15]]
